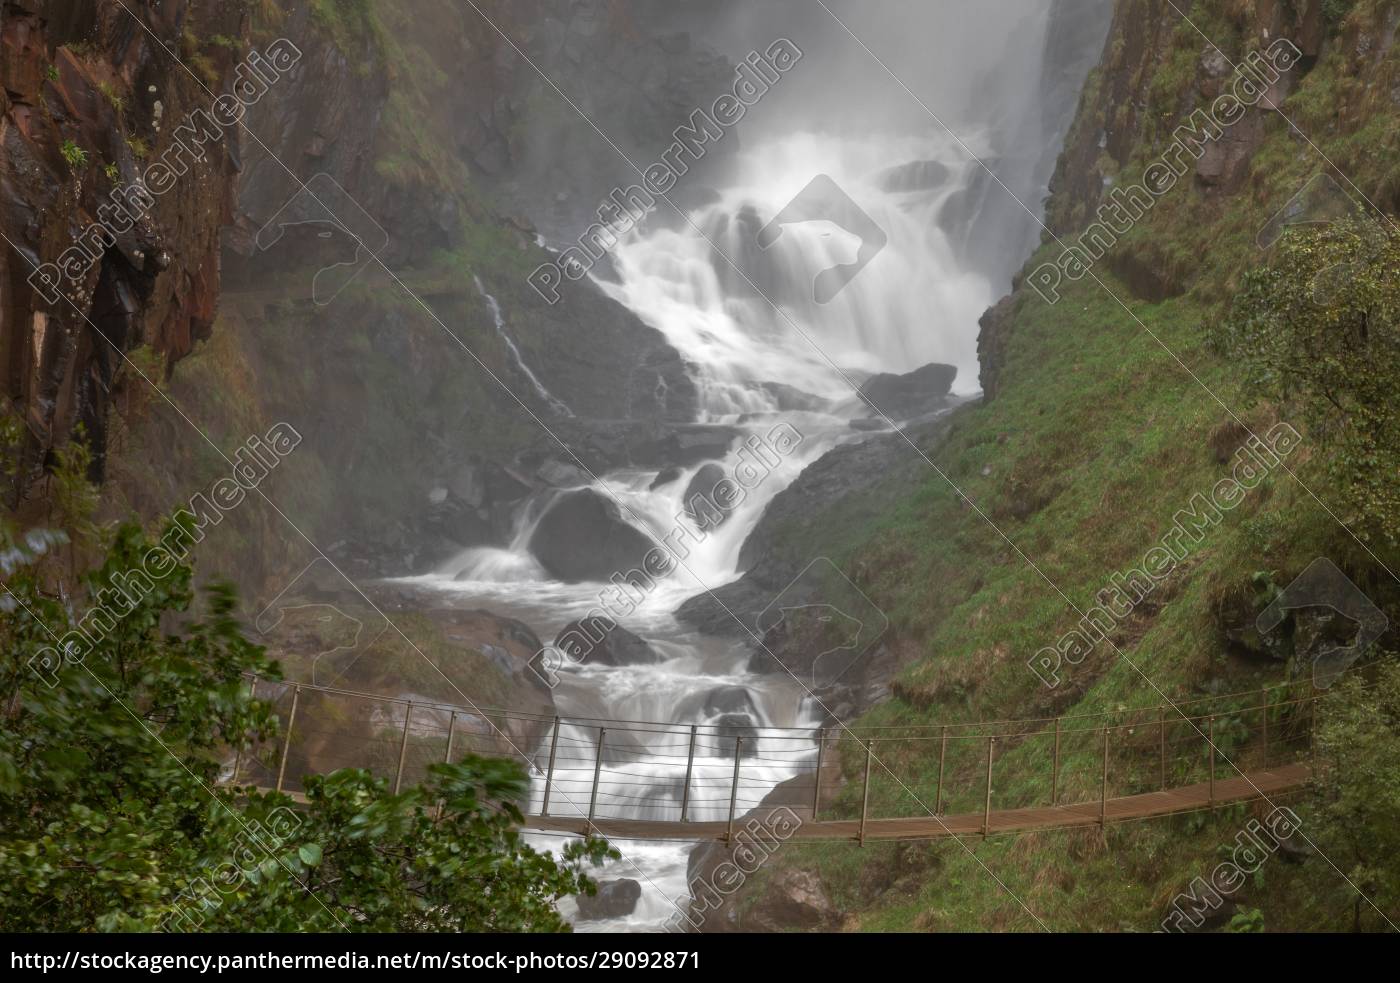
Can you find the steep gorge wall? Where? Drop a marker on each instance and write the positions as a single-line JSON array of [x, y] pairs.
[[443, 138], [1158, 69], [86, 86]]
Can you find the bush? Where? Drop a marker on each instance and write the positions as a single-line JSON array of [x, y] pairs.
[[111, 818], [1318, 327]]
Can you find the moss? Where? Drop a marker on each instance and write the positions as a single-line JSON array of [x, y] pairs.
[[353, 25]]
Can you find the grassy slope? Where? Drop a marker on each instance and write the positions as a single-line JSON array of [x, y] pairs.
[[1103, 428]]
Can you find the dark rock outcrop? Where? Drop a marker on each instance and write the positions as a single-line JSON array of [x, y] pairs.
[[911, 394], [614, 899], [993, 338], [86, 89], [702, 486], [603, 642], [917, 175], [1120, 109], [583, 536]]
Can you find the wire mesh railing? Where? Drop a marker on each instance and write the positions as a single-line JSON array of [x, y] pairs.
[[593, 769]]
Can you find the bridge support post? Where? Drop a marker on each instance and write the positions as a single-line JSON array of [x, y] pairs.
[[451, 733], [1055, 768], [287, 741], [403, 747], [447, 755], [597, 774], [987, 803], [817, 779], [865, 793], [549, 774], [1210, 755], [689, 770], [734, 791], [1103, 787], [942, 757]]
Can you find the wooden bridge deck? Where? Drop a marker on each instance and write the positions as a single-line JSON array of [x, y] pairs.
[[1187, 798]]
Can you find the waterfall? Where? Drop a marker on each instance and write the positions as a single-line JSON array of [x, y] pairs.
[[742, 305]]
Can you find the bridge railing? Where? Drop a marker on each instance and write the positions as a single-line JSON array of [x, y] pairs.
[[609, 769]]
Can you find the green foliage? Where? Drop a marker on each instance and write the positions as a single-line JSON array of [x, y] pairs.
[[110, 93], [1319, 325], [112, 171], [354, 27], [1356, 795], [75, 497], [111, 819], [75, 155], [51, 72], [11, 445], [1335, 11], [138, 146], [1250, 921]]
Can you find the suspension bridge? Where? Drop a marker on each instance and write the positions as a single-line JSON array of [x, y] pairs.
[[665, 781]]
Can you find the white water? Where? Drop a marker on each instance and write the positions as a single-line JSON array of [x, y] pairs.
[[749, 316], [746, 319], [911, 305]]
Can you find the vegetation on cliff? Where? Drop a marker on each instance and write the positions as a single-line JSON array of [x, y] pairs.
[[1113, 406], [114, 821]]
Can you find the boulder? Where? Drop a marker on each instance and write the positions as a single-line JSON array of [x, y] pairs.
[[583, 536], [790, 399], [703, 486], [603, 642], [729, 699], [615, 899], [913, 394], [466, 485], [561, 474], [664, 477], [731, 726], [916, 175], [790, 899]]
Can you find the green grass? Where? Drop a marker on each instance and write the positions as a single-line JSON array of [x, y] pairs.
[[1097, 437]]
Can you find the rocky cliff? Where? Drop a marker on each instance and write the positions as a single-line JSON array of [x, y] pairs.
[[93, 270], [377, 164]]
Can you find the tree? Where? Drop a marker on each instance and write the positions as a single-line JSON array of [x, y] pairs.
[[1321, 325], [113, 730], [1356, 792]]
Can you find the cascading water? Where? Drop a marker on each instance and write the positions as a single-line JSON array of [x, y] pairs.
[[755, 365], [499, 320], [762, 351], [747, 315]]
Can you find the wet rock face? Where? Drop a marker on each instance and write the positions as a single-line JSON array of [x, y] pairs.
[[603, 642], [703, 487], [917, 175], [615, 899], [637, 76], [1142, 31], [993, 338], [912, 394], [79, 125], [583, 536]]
